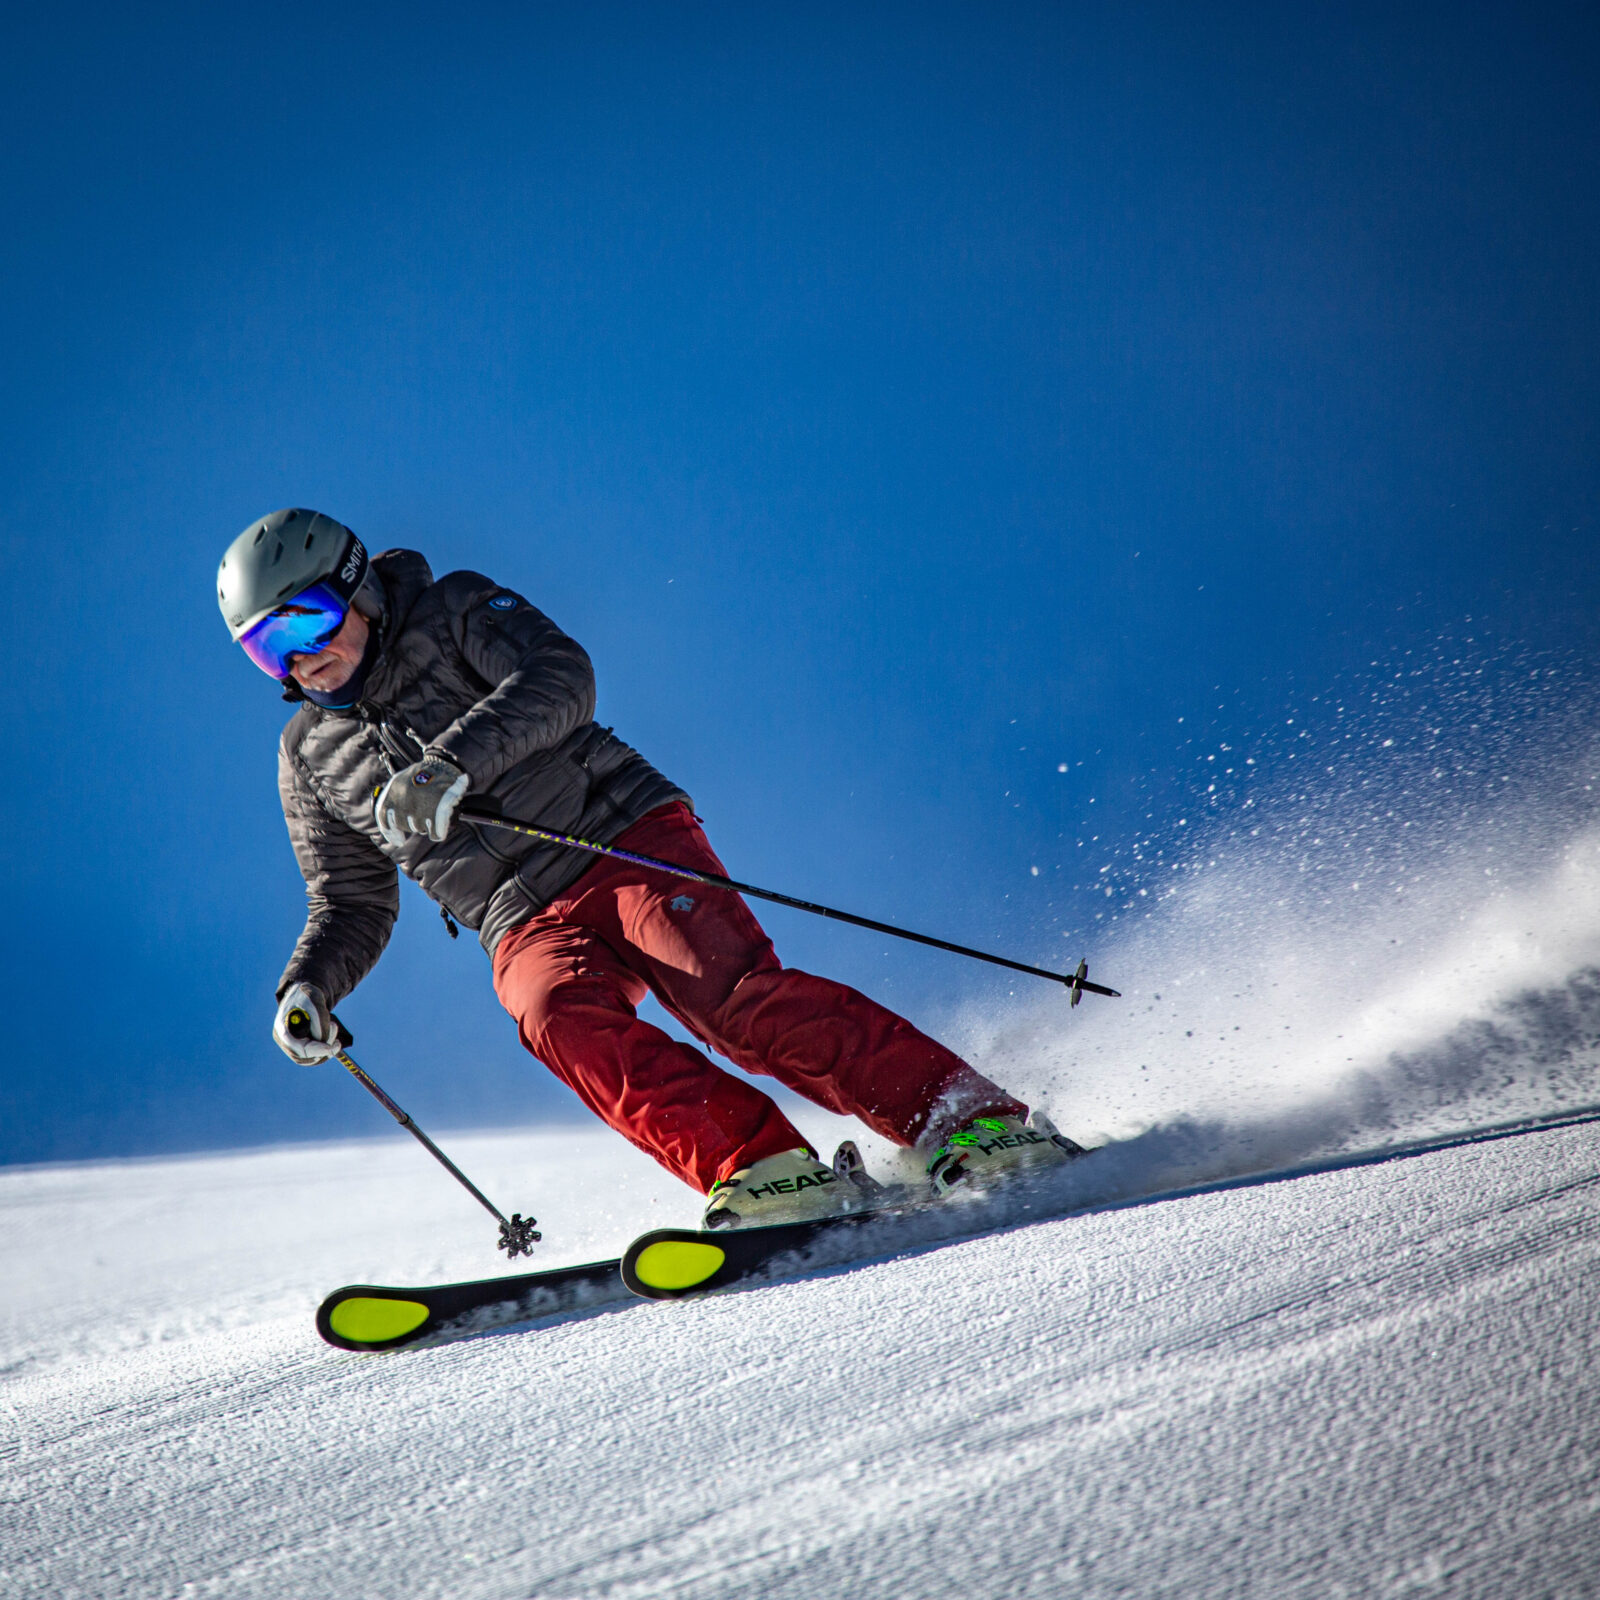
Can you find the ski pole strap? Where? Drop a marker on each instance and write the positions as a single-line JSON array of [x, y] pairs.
[[1077, 982]]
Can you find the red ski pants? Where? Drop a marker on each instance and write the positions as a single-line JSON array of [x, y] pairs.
[[573, 974]]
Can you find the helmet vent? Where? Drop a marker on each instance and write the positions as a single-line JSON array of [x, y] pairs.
[[278, 556]]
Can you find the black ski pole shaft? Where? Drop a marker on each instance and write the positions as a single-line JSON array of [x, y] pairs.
[[1076, 981], [517, 1234]]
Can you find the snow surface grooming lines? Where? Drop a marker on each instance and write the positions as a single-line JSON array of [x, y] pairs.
[[672, 1263]]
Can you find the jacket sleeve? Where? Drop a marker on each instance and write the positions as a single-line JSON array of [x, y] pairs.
[[543, 684], [352, 892]]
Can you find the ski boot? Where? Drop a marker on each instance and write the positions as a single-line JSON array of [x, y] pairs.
[[793, 1186], [994, 1147]]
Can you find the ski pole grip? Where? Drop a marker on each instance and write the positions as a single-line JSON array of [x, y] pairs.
[[299, 1026]]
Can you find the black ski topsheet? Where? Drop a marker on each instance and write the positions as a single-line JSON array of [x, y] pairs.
[[670, 1263], [366, 1316]]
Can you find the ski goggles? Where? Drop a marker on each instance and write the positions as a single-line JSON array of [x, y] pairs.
[[303, 627]]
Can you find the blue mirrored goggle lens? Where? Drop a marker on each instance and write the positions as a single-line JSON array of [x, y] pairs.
[[303, 627]]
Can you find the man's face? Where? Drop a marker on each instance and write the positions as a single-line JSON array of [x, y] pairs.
[[334, 665]]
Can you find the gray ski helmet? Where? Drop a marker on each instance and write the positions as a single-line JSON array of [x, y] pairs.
[[278, 556]]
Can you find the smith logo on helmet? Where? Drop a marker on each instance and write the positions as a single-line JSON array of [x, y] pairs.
[[351, 569]]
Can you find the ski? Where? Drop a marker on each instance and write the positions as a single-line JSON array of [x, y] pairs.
[[676, 1262], [673, 1263], [366, 1316], [670, 1263]]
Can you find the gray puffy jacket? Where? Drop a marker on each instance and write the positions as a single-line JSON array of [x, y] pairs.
[[472, 672]]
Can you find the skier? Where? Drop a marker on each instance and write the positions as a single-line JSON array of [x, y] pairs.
[[413, 694]]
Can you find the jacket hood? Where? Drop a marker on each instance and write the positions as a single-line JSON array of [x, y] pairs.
[[404, 575]]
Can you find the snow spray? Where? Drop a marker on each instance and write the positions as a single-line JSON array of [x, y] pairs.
[[1377, 917]]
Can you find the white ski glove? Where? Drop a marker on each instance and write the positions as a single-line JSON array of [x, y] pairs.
[[421, 799], [318, 1032]]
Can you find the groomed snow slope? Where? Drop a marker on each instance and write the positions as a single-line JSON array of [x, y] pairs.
[[1375, 1380], [1372, 1380]]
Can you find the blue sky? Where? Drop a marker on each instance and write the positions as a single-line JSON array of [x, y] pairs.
[[901, 403]]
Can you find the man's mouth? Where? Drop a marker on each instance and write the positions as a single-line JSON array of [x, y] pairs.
[[314, 672]]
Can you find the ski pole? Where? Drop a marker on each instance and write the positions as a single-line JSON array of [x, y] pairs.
[[518, 1234], [1077, 982]]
